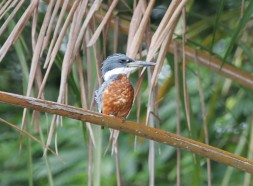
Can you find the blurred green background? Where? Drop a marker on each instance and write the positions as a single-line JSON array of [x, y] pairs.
[[213, 26]]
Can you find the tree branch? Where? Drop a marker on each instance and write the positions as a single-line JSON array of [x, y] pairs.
[[130, 127]]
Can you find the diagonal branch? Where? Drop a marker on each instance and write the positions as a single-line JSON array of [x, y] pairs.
[[130, 127]]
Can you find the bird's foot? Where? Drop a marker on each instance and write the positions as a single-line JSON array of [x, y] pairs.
[[123, 119]]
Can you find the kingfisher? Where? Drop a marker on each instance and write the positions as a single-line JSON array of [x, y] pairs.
[[115, 96]]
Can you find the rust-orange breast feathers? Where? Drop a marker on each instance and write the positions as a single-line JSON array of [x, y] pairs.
[[118, 97]]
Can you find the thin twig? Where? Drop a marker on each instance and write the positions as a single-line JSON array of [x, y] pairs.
[[29, 135], [176, 61], [17, 29], [135, 45], [102, 24], [185, 91], [203, 109], [83, 95], [134, 24], [242, 8], [10, 17], [57, 33]]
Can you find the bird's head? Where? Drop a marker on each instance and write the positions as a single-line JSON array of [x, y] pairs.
[[121, 64]]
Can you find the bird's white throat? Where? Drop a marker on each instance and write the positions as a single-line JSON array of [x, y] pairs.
[[117, 71]]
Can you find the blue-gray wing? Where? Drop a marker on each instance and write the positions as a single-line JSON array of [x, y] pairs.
[[98, 98], [99, 94]]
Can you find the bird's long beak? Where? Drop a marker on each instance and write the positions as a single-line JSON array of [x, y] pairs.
[[140, 64]]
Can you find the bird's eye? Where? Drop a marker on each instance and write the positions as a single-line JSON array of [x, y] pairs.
[[123, 61]]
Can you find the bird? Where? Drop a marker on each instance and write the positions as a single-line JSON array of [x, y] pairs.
[[115, 96]]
